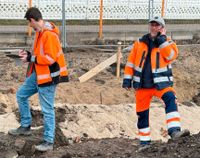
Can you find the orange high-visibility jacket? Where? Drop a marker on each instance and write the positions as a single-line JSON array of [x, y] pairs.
[[48, 58], [161, 59]]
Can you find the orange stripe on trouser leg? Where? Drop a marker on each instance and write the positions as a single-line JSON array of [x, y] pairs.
[[144, 134], [173, 119]]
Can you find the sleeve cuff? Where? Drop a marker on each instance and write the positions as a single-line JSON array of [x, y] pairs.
[[33, 58], [127, 83], [162, 39]]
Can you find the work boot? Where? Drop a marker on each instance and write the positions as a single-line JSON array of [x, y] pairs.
[[20, 131], [45, 146], [178, 134]]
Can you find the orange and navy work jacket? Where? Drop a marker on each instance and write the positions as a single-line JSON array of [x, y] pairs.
[[161, 59], [47, 58]]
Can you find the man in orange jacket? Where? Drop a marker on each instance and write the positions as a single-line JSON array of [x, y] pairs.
[[149, 71], [46, 69]]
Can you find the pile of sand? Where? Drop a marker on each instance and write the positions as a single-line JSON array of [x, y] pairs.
[[109, 121]]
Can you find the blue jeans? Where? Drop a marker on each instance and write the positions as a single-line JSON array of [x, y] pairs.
[[46, 97]]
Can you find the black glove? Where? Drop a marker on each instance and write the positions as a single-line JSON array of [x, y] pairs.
[[127, 83], [160, 39], [28, 56]]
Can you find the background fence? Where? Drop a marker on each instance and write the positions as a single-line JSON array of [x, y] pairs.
[[87, 10], [112, 9]]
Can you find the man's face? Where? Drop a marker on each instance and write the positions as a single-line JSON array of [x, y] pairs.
[[154, 28], [34, 25]]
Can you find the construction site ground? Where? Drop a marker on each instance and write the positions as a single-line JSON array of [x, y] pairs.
[[97, 118]]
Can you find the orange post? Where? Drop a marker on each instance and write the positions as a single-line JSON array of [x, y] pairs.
[[163, 8], [29, 28], [101, 19]]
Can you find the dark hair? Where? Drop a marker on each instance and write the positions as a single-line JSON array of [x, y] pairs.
[[34, 13]]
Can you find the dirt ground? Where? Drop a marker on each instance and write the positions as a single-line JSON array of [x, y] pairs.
[[103, 89], [84, 145]]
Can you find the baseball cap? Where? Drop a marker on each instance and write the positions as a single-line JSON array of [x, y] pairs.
[[158, 19]]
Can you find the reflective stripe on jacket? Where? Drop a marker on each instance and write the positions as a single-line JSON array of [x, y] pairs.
[[161, 59], [48, 57]]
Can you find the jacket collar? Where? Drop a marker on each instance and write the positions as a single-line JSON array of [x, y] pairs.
[[145, 39]]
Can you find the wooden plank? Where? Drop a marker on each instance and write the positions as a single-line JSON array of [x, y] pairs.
[[98, 68], [9, 50]]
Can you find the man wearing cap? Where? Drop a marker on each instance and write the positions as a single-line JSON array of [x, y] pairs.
[[149, 72]]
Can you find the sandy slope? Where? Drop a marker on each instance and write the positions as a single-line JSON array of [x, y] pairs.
[[108, 121]]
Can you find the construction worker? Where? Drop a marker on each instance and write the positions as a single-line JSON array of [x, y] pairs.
[[46, 69], [149, 71]]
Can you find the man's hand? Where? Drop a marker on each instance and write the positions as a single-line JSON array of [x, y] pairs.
[[23, 55], [161, 38], [162, 31]]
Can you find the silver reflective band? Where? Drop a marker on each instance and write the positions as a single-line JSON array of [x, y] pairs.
[[33, 58], [127, 77], [164, 69], [145, 138], [138, 69], [54, 74], [41, 49], [171, 115], [145, 130], [173, 124], [130, 64], [165, 44], [51, 60], [137, 79], [41, 77], [170, 57], [162, 79]]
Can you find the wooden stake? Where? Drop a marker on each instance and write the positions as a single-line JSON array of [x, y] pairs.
[[119, 55]]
